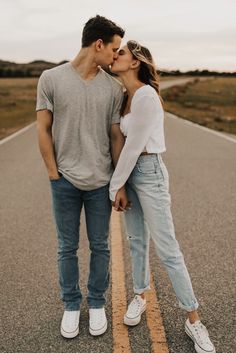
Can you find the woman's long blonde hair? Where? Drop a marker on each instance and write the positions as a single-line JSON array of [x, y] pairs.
[[147, 72]]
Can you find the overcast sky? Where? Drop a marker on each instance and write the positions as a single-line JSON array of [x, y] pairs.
[[181, 34]]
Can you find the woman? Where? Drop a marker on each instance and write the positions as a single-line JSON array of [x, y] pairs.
[[141, 166]]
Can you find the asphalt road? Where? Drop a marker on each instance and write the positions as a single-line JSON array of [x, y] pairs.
[[179, 81], [202, 168]]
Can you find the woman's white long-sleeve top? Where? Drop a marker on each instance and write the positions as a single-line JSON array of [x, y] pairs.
[[144, 131]]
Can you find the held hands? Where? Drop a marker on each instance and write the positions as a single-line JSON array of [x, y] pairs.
[[121, 203]]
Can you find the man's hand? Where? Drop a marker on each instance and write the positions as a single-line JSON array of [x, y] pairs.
[[121, 202], [55, 176]]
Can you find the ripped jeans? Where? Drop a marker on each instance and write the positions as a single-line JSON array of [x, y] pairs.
[[148, 190]]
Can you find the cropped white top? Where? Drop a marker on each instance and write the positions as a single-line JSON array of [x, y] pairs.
[[144, 131]]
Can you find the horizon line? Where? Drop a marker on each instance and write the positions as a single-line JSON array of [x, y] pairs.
[[160, 69]]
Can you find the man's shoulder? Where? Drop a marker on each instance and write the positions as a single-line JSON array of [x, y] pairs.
[[57, 70]]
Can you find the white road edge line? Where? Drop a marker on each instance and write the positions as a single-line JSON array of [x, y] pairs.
[[228, 138], [217, 133], [17, 133]]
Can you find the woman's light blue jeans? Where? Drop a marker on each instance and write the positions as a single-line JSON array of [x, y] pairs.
[[148, 190], [67, 205]]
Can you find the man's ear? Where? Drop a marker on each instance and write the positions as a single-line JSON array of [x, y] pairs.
[[99, 44]]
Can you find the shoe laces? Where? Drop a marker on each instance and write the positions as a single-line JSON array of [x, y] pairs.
[[136, 304], [201, 332], [98, 317], [70, 317]]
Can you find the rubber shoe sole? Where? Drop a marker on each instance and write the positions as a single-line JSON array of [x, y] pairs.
[[70, 334], [134, 321], [98, 332]]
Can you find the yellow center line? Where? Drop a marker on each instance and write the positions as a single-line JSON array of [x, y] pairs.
[[155, 323], [121, 342]]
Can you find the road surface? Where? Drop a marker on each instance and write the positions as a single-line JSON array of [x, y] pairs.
[[202, 168]]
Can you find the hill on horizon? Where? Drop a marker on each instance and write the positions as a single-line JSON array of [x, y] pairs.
[[36, 67], [31, 69]]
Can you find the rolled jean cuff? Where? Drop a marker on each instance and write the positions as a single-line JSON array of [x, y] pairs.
[[140, 291], [192, 307], [71, 307], [96, 306], [95, 303]]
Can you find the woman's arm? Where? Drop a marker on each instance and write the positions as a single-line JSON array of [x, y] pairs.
[[117, 143], [144, 116]]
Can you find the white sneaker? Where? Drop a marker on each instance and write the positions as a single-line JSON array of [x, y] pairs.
[[135, 310], [199, 334], [70, 324], [97, 321]]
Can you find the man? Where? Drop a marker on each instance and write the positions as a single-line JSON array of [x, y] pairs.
[[78, 116]]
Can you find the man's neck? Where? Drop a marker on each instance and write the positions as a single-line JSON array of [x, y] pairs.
[[85, 64]]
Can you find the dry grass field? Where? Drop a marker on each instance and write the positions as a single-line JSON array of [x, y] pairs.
[[210, 102], [17, 104]]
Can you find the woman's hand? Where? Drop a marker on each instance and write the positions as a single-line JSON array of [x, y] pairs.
[[121, 203]]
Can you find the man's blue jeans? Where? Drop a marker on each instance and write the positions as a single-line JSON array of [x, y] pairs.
[[67, 205]]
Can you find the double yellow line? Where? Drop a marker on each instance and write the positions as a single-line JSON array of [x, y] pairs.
[[121, 343]]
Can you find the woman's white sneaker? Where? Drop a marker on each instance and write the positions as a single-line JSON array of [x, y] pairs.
[[97, 321], [70, 324], [135, 310], [199, 334]]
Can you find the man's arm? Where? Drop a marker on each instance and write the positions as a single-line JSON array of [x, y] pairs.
[[117, 143], [44, 128]]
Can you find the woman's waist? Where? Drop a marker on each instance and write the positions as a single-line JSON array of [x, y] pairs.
[[145, 153], [148, 168], [149, 156]]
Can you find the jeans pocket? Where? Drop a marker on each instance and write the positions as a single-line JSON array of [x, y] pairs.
[[159, 174], [163, 181], [146, 167], [56, 180]]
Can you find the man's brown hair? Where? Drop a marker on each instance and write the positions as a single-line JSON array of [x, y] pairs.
[[100, 27]]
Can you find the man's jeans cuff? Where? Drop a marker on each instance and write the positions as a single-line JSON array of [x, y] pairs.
[[71, 307]]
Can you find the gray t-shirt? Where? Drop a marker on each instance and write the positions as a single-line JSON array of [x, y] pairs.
[[83, 112]]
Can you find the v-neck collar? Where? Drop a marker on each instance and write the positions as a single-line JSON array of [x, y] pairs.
[[81, 79]]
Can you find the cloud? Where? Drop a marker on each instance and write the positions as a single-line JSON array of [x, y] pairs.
[[181, 34]]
